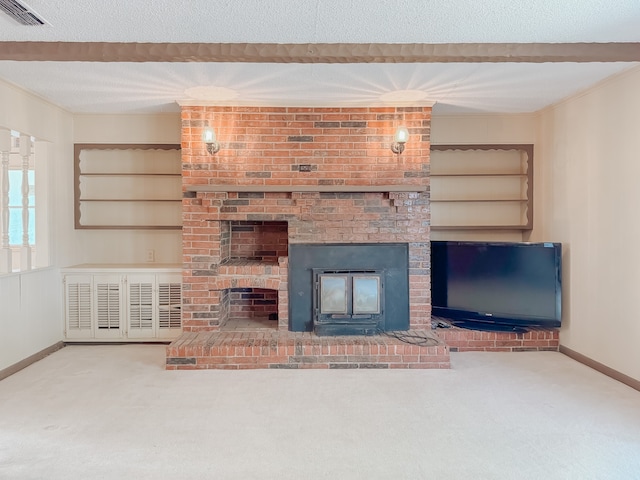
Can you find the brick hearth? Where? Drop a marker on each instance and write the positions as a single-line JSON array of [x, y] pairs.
[[269, 348], [278, 349], [461, 340]]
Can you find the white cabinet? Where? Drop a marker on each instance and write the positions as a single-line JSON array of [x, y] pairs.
[[78, 293], [153, 305], [125, 305], [142, 306], [169, 307], [108, 295]]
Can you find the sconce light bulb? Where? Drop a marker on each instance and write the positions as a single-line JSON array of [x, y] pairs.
[[208, 135], [402, 135], [209, 139]]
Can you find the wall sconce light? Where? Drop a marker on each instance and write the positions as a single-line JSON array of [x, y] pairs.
[[209, 138], [399, 139]]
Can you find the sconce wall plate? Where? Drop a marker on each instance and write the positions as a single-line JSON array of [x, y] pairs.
[[213, 148]]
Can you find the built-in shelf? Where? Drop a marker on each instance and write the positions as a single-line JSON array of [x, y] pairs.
[[522, 175], [128, 186], [478, 200], [125, 200], [306, 188], [482, 187], [129, 174]]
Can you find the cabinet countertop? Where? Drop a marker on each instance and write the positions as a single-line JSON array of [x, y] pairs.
[[125, 266]]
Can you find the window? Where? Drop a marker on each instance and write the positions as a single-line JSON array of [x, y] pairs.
[[16, 230], [17, 202]]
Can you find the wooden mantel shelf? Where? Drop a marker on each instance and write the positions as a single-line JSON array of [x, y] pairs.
[[306, 188]]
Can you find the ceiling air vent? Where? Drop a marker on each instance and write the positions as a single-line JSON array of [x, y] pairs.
[[20, 13]]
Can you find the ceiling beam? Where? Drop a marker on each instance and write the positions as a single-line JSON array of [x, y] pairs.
[[320, 52]]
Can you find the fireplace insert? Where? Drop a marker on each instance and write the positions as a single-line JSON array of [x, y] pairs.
[[348, 289], [347, 301]]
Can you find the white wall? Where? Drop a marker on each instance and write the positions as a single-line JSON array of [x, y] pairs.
[[30, 317], [30, 302], [489, 128], [589, 149], [486, 129], [161, 128], [126, 246]]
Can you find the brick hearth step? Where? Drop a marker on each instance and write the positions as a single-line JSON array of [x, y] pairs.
[[535, 340], [284, 349]]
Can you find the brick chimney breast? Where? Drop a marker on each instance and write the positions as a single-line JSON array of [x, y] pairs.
[[297, 176]]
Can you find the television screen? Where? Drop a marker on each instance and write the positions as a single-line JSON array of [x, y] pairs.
[[512, 284]]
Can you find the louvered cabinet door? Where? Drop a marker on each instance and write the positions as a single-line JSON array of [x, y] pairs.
[[169, 305], [141, 306], [108, 312], [78, 306]]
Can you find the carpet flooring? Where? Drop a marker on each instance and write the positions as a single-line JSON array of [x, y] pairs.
[[113, 412]]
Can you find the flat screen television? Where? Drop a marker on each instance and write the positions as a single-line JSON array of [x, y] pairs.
[[497, 286]]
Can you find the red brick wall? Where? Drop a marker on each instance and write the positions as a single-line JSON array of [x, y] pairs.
[[266, 241], [265, 147], [342, 146]]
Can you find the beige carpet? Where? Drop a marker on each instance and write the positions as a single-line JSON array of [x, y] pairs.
[[112, 412]]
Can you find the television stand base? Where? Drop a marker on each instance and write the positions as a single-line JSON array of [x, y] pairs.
[[481, 326]]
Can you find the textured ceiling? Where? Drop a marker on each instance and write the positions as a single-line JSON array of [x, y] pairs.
[[119, 87]]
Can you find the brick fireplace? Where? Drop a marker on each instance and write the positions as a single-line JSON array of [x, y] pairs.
[[299, 194], [291, 178]]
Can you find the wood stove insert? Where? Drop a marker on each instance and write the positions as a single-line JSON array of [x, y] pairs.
[[348, 302], [348, 289]]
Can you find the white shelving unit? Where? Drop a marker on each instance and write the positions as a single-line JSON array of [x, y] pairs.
[[128, 186], [122, 303], [481, 187]]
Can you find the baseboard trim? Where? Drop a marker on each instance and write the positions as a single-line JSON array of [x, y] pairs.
[[16, 367], [608, 371]]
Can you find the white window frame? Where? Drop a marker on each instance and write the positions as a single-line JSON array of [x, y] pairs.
[[18, 257]]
